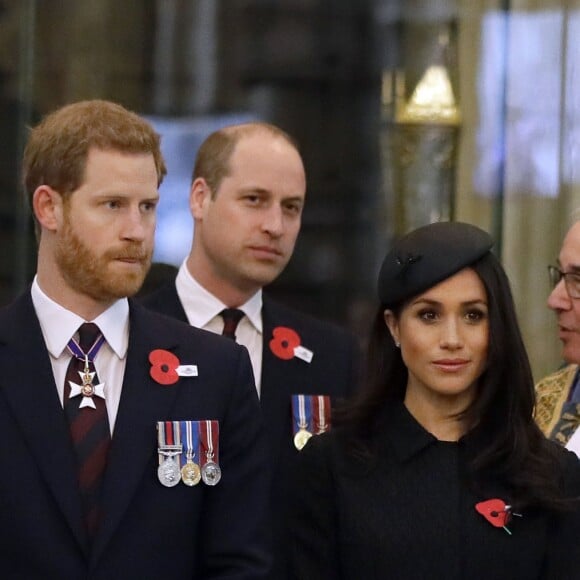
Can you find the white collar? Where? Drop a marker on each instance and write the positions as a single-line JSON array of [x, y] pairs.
[[59, 324], [202, 306]]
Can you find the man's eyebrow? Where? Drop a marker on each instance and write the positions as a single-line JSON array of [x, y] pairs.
[[572, 269], [294, 199]]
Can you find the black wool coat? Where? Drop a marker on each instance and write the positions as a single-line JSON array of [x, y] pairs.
[[409, 515]]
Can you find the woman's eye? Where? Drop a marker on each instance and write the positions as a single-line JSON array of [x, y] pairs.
[[475, 315], [428, 315]]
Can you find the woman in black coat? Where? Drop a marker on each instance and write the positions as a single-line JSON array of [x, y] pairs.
[[437, 470]]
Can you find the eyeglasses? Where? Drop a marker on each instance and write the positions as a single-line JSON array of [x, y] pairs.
[[571, 280]]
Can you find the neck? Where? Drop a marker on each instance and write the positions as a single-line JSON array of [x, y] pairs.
[[223, 289], [438, 415]]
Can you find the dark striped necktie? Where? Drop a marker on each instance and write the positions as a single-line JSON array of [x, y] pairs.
[[232, 317], [86, 411]]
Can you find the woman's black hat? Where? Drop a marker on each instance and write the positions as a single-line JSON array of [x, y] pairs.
[[428, 255]]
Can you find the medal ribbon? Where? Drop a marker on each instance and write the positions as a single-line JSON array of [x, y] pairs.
[[169, 433], [175, 432], [302, 412], [168, 436], [209, 436], [160, 439], [160, 434], [75, 349], [191, 431], [321, 408]]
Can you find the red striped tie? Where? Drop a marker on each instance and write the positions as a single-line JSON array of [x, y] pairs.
[[89, 426], [232, 317]]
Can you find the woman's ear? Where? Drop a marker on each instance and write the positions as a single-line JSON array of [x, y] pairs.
[[393, 325]]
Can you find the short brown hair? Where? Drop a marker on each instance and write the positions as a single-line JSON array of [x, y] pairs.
[[57, 149], [213, 157]]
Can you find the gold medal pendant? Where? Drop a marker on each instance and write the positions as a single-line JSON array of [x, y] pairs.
[[302, 415], [301, 438], [190, 473]]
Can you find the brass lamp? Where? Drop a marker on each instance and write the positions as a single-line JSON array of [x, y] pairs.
[[422, 147]]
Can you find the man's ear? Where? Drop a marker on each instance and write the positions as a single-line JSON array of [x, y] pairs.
[[47, 206], [199, 196]]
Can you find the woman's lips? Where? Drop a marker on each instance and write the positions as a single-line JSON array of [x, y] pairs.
[[451, 365]]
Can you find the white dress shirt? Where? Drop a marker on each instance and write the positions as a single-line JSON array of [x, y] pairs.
[[59, 325], [203, 311]]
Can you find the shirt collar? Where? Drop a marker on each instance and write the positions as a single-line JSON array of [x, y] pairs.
[[59, 324], [202, 306], [404, 434]]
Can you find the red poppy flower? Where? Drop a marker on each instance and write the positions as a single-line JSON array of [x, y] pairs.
[[495, 511], [284, 342], [163, 367]]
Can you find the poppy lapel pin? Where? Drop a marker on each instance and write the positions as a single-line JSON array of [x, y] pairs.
[[166, 367], [496, 512], [286, 344]]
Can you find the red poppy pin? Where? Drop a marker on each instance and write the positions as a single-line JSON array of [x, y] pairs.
[[285, 344], [496, 512], [165, 367]]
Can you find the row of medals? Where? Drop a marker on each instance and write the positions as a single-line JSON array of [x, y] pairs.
[[303, 434], [170, 474]]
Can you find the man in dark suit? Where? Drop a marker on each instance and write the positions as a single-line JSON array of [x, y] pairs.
[[246, 200], [141, 456]]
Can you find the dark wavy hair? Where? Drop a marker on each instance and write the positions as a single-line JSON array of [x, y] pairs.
[[510, 447]]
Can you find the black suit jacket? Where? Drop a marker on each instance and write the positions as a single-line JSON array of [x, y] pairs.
[[149, 531], [333, 371]]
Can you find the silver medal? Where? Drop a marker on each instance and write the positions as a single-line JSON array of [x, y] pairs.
[[211, 473], [168, 472]]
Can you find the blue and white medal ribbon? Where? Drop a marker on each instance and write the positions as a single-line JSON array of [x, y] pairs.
[[302, 424], [190, 471]]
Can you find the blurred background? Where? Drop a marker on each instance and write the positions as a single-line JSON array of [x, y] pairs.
[[407, 112]]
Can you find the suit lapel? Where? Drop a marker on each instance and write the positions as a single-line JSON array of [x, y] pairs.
[[31, 394], [166, 300], [143, 403], [277, 382]]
